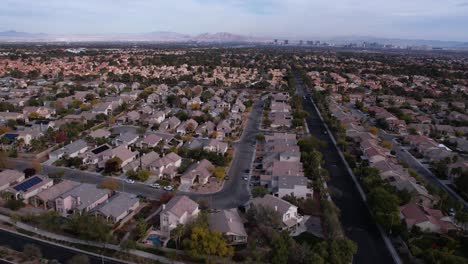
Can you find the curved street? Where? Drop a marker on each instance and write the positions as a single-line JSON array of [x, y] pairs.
[[233, 194]]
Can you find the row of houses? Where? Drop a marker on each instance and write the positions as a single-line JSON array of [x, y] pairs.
[[68, 197], [418, 212]]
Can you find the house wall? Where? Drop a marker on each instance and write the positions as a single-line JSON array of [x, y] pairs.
[[97, 202], [28, 195]]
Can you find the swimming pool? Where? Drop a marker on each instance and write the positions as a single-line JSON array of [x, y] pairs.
[[155, 239]]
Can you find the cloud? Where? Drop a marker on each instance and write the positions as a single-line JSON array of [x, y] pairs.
[[282, 18]]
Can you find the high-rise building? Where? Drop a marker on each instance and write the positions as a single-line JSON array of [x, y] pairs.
[[301, 42], [286, 42]]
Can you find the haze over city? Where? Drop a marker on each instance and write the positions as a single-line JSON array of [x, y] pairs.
[[418, 19]]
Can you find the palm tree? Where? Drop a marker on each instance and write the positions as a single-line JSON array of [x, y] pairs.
[[177, 233]]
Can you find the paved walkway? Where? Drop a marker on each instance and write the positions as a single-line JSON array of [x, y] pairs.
[[83, 242]]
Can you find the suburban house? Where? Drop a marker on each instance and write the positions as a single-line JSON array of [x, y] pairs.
[[287, 211], [149, 141], [212, 145], [46, 199], [9, 177], [71, 150], [127, 138], [118, 207], [165, 166], [100, 133], [292, 185], [180, 210], [426, 218], [198, 172], [82, 198], [30, 187], [229, 223]]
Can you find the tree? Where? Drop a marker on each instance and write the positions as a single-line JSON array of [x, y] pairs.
[[462, 182], [110, 184], [264, 216], [219, 172], [342, 251], [89, 227], [260, 137], [177, 233], [280, 247], [387, 144], [28, 172], [113, 165], [141, 229], [384, 206], [374, 130], [203, 242], [32, 251], [259, 191], [14, 205], [78, 259]]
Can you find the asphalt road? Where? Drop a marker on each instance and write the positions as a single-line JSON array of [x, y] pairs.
[[49, 251], [234, 192], [355, 217]]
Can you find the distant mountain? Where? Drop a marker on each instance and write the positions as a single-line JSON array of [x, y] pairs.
[[16, 34], [156, 36]]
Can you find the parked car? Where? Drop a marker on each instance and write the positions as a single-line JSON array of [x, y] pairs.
[[169, 188], [130, 181], [245, 178], [155, 185]]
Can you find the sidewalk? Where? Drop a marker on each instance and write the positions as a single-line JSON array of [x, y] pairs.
[[83, 242]]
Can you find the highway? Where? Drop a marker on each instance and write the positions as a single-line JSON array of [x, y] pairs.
[[355, 217]]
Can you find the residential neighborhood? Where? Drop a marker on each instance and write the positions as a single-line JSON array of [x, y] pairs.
[[250, 155]]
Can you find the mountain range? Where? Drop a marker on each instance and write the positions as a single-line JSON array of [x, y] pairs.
[[220, 37], [156, 36]]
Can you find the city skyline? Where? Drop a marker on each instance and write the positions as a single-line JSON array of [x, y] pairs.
[[293, 19]]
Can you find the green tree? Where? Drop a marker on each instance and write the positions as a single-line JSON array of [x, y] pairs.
[[259, 191], [342, 251], [203, 242], [281, 244], [141, 229], [113, 165], [384, 207], [89, 227], [177, 233]]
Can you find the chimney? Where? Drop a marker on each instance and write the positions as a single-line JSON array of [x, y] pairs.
[[164, 206]]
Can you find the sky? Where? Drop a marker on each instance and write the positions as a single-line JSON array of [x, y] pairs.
[[307, 19]]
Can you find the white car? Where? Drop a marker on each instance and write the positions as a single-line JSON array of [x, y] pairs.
[[155, 185], [245, 178], [130, 181], [168, 188]]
